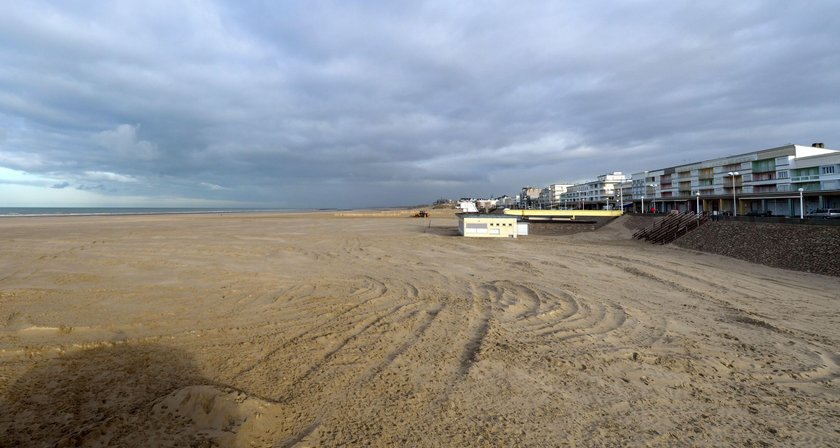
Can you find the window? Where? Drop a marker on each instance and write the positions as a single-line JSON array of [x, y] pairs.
[[828, 169], [782, 174], [475, 228], [806, 172], [763, 166], [758, 177]]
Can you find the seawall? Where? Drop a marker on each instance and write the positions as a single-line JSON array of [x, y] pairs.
[[809, 248]]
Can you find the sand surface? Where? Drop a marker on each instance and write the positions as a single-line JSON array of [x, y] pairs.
[[313, 330]]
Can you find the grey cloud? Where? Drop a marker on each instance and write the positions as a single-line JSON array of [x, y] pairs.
[[212, 186], [109, 176], [60, 185], [369, 103], [124, 141], [91, 187]]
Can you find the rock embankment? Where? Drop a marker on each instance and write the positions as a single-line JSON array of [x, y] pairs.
[[810, 248]]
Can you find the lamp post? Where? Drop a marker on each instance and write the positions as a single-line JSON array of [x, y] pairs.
[[734, 203], [698, 205], [621, 198], [654, 196], [801, 204]]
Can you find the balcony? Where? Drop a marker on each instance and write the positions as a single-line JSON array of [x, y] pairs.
[[764, 176], [758, 169], [764, 182], [805, 178], [807, 187]]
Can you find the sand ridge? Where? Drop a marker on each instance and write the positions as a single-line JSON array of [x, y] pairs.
[[323, 330]]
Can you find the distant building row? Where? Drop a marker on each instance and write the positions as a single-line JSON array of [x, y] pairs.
[[766, 180]]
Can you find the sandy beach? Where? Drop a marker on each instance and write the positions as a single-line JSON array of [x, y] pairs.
[[319, 329]]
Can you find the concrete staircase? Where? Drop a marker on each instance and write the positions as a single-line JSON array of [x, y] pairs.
[[671, 227]]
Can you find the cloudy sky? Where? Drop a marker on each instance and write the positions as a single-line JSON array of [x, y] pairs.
[[367, 103]]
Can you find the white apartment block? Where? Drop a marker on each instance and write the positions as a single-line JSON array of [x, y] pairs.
[[605, 190], [769, 179], [815, 173], [552, 195], [556, 192]]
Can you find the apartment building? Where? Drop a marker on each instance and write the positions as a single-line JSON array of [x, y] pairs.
[[769, 179], [556, 192], [529, 197], [551, 196], [625, 193], [603, 192], [816, 173]]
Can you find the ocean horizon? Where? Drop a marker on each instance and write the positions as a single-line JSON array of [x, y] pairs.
[[109, 211]]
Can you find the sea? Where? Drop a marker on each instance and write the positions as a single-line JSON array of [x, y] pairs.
[[110, 211]]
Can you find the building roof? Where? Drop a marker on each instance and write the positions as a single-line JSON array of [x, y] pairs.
[[484, 215], [798, 151]]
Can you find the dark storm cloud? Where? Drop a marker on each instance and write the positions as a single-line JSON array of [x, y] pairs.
[[364, 103]]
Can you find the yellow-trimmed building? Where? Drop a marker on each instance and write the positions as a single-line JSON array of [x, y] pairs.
[[567, 214], [487, 226]]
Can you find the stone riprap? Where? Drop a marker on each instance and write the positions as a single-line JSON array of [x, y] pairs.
[[809, 248]]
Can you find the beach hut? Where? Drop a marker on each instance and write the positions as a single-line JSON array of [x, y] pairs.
[[487, 226]]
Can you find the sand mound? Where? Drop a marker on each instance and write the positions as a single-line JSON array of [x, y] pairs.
[[224, 416]]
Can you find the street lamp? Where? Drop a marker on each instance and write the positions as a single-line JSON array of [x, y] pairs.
[[801, 204], [698, 205], [621, 193], [654, 196], [734, 204]]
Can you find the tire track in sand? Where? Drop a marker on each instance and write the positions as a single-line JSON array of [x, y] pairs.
[[367, 377], [490, 295], [381, 291], [296, 384]]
